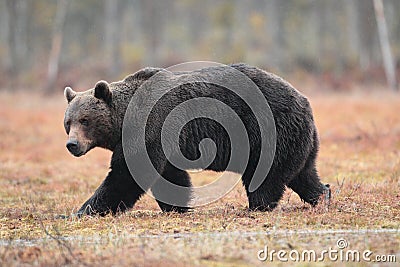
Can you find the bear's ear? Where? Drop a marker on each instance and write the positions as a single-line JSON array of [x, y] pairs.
[[69, 94], [102, 91]]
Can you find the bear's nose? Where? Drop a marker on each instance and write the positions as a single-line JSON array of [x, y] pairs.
[[72, 146]]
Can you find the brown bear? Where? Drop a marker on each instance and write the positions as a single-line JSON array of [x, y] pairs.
[[94, 118]]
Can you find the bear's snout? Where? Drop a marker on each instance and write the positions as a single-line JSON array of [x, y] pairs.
[[73, 147]]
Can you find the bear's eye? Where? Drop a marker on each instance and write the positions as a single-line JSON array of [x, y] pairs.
[[84, 122]]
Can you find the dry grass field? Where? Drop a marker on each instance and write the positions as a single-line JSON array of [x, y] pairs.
[[39, 179]]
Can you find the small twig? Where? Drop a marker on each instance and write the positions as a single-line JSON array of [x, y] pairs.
[[340, 185], [355, 188]]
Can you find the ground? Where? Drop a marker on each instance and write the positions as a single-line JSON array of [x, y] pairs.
[[359, 157]]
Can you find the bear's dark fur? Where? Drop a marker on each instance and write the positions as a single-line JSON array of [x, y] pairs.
[[94, 118]]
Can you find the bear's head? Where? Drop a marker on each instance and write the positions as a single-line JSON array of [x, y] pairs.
[[88, 120]]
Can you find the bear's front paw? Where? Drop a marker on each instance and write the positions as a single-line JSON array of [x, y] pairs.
[[71, 216], [88, 210]]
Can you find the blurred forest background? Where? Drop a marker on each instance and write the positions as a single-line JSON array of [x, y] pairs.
[[48, 44]]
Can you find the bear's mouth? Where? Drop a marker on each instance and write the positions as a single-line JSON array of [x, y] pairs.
[[82, 150], [78, 154]]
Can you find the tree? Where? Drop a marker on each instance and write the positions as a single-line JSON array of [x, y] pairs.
[[275, 11], [366, 30], [112, 36], [385, 45], [17, 34], [153, 28], [54, 59]]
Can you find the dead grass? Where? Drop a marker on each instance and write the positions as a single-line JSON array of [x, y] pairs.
[[359, 157]]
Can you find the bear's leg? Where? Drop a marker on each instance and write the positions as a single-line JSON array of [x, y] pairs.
[[308, 186], [307, 183], [117, 193], [265, 197], [175, 176]]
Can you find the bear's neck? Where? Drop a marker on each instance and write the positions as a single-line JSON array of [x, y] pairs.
[[121, 96]]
